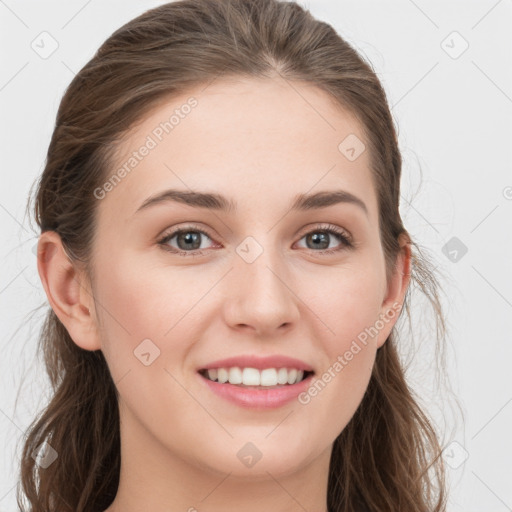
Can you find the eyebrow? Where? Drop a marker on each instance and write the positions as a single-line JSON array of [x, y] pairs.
[[214, 201]]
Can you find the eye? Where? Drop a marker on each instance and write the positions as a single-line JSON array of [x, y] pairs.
[[188, 239], [320, 237], [189, 243]]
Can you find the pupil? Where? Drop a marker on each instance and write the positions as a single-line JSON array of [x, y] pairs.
[[190, 237], [320, 239]]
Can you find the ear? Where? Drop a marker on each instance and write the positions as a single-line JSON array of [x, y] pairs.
[[395, 291], [68, 291]]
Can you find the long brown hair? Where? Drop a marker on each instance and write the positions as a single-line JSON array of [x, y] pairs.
[[388, 458]]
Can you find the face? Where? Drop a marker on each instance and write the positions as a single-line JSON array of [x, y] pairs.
[[259, 278]]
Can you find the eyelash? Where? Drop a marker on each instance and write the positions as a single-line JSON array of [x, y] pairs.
[[328, 228]]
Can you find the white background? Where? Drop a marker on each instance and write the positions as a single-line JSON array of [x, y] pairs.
[[454, 117]]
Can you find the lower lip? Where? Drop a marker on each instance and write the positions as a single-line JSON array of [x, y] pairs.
[[258, 398]]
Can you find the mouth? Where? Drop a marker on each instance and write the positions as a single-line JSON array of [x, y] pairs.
[[267, 378], [256, 382], [254, 389]]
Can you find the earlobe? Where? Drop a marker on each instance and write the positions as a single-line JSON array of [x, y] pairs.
[[67, 291], [396, 291]]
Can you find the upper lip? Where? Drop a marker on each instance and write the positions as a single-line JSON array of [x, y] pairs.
[[260, 363]]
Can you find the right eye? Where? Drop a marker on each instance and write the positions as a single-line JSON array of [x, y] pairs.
[[188, 240]]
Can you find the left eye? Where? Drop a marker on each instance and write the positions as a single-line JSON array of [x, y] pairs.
[[320, 237], [189, 240]]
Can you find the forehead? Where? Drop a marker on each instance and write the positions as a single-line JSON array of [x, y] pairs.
[[248, 138]]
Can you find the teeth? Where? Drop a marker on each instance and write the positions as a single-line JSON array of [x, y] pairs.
[[235, 375], [268, 377], [249, 377], [222, 375], [282, 376], [253, 377], [292, 376]]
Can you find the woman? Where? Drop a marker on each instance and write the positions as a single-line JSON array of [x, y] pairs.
[[222, 250]]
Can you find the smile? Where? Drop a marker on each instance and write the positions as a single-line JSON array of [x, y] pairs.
[[272, 391]]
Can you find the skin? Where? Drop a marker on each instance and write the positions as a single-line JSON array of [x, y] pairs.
[[260, 143]]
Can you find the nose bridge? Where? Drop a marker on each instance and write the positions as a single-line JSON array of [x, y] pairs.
[[259, 288], [258, 263]]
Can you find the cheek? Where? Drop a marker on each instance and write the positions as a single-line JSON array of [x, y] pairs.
[[135, 306], [346, 304], [141, 301], [145, 333], [347, 307], [143, 298], [347, 300]]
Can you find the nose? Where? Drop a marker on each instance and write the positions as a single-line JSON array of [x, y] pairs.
[[260, 295]]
